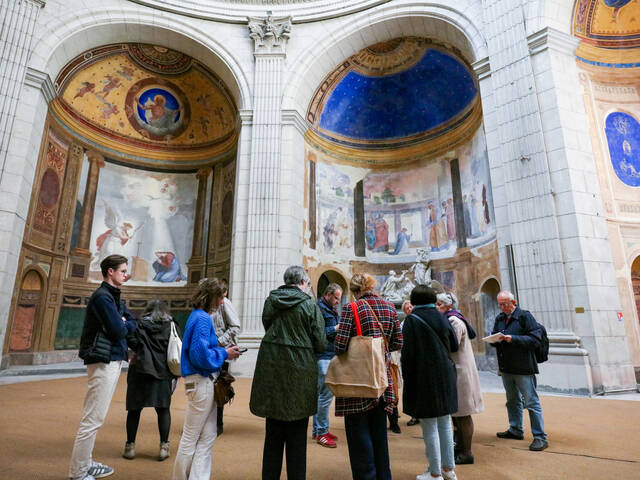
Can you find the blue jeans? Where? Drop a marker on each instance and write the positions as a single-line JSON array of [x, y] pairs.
[[367, 442], [521, 391], [437, 433], [321, 419]]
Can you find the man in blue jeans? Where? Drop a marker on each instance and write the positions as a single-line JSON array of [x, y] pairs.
[[327, 303], [519, 337]]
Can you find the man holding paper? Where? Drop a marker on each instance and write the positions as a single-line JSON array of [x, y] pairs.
[[515, 336]]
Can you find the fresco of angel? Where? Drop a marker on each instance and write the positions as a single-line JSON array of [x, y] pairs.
[[118, 233]]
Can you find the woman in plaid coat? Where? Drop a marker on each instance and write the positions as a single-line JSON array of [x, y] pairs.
[[365, 419]]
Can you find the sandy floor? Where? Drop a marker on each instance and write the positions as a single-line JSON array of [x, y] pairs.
[[589, 439]]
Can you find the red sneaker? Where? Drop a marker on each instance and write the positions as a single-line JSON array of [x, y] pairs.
[[326, 441], [313, 436], [331, 436]]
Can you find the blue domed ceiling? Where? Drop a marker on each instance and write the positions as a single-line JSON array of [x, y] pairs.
[[393, 94]]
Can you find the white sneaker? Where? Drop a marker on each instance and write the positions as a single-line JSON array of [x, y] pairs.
[[450, 475], [99, 470], [86, 477], [426, 476]]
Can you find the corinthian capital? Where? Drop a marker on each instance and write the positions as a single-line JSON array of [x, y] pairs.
[[269, 34]]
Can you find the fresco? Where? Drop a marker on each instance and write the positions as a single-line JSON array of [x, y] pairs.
[[146, 96], [334, 190], [477, 197], [428, 94], [623, 138], [405, 212], [607, 23], [147, 217]]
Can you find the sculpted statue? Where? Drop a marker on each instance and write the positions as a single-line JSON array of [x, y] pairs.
[[397, 287], [422, 269]]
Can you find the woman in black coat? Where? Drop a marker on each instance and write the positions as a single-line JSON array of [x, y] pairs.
[[149, 381], [429, 374]]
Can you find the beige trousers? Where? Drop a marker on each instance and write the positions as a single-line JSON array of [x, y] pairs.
[[102, 381]]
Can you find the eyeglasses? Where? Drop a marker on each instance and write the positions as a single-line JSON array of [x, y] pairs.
[[504, 304]]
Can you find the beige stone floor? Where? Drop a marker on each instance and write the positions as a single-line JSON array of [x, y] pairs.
[[589, 439]]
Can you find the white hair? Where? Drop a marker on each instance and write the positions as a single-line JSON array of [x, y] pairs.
[[508, 294], [448, 298]]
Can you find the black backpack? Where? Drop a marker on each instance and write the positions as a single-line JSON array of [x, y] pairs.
[[542, 350]]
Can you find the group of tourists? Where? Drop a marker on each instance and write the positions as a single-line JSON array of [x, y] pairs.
[[436, 369]]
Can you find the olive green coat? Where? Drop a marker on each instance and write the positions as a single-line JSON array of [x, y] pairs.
[[285, 381]]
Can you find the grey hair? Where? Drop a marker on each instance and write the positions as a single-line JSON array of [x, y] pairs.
[[508, 294], [295, 275], [331, 288], [157, 311], [448, 298]]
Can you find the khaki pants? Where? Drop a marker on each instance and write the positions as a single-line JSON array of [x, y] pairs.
[[193, 459], [102, 381]]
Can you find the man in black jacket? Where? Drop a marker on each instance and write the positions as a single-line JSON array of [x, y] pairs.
[[519, 335], [108, 317]]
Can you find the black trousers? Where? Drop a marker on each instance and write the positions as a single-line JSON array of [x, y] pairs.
[[219, 421], [367, 442], [293, 436]]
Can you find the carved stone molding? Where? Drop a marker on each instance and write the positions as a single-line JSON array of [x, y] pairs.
[[270, 35]]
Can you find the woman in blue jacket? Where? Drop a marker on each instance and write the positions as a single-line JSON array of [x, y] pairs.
[[200, 365]]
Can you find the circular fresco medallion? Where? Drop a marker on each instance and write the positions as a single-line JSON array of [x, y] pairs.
[[623, 137], [157, 109], [49, 188]]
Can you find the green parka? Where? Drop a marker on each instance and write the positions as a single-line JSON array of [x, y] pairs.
[[285, 381]]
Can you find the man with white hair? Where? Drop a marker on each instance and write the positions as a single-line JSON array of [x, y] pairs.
[[519, 335]]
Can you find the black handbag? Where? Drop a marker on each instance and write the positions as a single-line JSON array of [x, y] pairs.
[[100, 349]]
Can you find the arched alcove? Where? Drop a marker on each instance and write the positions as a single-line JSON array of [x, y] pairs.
[[26, 312], [331, 276], [489, 310]]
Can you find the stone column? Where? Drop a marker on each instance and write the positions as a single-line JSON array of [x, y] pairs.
[[262, 271], [196, 263], [81, 254], [530, 214]]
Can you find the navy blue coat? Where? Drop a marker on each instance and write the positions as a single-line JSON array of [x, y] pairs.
[[330, 321], [105, 312], [518, 357]]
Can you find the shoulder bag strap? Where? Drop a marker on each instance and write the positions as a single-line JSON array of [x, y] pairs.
[[384, 337], [356, 319]]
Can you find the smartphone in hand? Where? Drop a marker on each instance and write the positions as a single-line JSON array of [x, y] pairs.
[[242, 350]]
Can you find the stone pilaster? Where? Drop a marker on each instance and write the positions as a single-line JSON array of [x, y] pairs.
[[531, 215], [261, 266], [196, 262], [16, 35]]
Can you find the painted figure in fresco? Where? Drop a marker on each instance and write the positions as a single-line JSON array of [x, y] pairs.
[[449, 212], [328, 233], [370, 233], [467, 217], [437, 228], [479, 211], [485, 205], [167, 268], [87, 87], [343, 232], [160, 116], [118, 233], [473, 217], [110, 83], [402, 242], [382, 234]]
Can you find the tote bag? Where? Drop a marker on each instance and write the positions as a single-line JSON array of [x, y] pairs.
[[174, 351], [361, 371]]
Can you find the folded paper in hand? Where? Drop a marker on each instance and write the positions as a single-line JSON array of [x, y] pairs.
[[495, 338]]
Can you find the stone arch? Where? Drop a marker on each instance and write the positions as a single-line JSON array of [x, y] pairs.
[[332, 276], [488, 309], [26, 319], [452, 26], [70, 35]]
